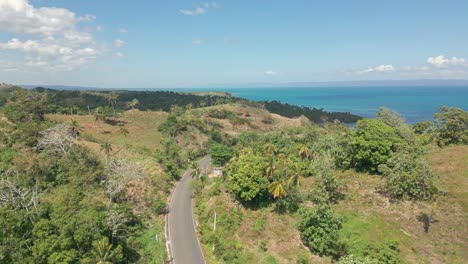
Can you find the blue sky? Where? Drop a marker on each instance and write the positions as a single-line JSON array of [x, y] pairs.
[[164, 44]]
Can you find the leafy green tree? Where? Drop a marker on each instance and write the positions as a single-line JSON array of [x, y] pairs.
[[409, 174], [372, 144], [27, 106], [319, 229], [245, 177], [220, 154], [327, 185], [451, 126]]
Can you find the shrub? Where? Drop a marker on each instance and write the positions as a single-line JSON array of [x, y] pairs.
[[372, 144], [220, 154], [451, 126], [245, 176], [409, 175], [319, 229]]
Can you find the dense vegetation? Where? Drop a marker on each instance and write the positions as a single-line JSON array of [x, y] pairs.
[[269, 170], [313, 114], [62, 203]]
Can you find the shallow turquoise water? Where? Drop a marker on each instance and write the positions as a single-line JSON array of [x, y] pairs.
[[413, 103]]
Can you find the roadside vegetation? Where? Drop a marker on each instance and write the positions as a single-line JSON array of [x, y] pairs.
[[310, 194], [85, 177]]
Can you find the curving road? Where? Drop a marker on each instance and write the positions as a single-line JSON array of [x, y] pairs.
[[182, 241]]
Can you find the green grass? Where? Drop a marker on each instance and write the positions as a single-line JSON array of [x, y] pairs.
[[152, 240]]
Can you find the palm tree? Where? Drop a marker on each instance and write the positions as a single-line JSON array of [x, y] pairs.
[[99, 116], [295, 180], [285, 162], [106, 147], [269, 149], [75, 128], [124, 131], [196, 170], [304, 152], [276, 189], [271, 168], [102, 251], [134, 103], [112, 99]]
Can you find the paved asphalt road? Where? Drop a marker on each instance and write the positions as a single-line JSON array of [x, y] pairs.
[[183, 240]]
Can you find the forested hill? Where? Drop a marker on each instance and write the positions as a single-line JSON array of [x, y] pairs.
[[313, 114], [84, 102]]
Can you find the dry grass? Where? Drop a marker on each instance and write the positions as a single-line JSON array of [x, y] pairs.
[[142, 128], [371, 217], [256, 118]]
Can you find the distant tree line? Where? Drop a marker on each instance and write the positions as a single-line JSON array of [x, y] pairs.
[[313, 114], [110, 102]]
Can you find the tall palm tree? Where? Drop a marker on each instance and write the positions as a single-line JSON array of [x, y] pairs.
[[196, 170], [75, 128], [276, 189], [102, 251], [134, 103], [295, 180], [271, 168], [269, 149], [112, 99], [304, 152], [286, 163], [106, 147], [99, 116]]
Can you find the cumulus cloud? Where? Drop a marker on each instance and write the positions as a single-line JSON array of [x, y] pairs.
[[270, 72], [53, 39], [197, 41], [118, 43], [123, 30], [441, 62], [118, 54]]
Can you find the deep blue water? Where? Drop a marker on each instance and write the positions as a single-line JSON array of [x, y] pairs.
[[413, 103]]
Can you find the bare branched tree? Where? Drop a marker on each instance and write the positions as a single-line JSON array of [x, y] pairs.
[[119, 174], [57, 140], [14, 196], [116, 222]]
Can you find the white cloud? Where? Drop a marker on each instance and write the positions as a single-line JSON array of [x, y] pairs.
[[118, 54], [51, 36], [200, 10], [99, 28], [380, 68], [123, 30], [194, 12], [270, 72], [18, 16], [440, 61], [118, 43], [197, 42]]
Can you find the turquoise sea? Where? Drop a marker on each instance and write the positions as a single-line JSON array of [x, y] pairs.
[[413, 103]]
